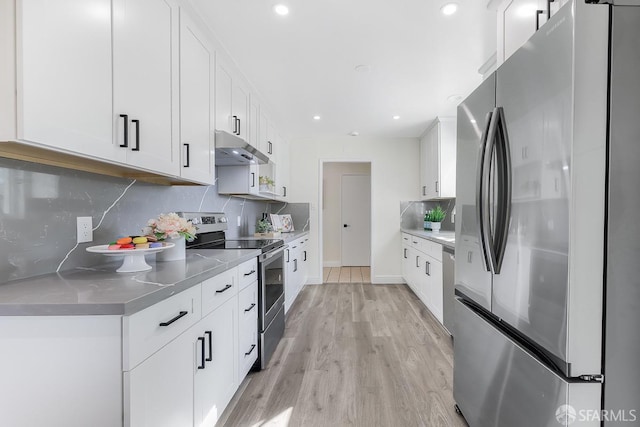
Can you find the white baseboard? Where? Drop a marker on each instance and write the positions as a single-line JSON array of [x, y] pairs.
[[387, 280], [314, 281], [332, 264]]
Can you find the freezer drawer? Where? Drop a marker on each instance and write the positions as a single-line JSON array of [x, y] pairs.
[[498, 383]]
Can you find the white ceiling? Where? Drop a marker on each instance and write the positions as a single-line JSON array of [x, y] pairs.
[[303, 64]]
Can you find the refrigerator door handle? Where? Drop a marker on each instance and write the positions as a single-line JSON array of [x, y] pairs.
[[479, 189], [503, 212], [484, 201]]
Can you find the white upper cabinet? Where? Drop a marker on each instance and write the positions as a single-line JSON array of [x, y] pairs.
[[438, 160], [196, 104], [518, 20], [282, 171], [65, 84], [145, 82], [254, 122], [232, 103]]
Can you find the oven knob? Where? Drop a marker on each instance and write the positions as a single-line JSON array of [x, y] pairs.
[[195, 221], [222, 219]]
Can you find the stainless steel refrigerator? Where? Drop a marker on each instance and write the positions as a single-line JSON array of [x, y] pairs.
[[547, 312]]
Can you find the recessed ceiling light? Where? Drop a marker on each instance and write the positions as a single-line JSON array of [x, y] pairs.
[[473, 121], [363, 68], [316, 117], [281, 9], [449, 9], [455, 98], [396, 117], [354, 133], [235, 152]]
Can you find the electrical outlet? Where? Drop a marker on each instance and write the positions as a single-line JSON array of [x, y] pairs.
[[85, 229]]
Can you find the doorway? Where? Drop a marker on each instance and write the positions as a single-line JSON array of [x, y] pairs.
[[346, 216]]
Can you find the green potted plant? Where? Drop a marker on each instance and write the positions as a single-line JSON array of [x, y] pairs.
[[436, 215]]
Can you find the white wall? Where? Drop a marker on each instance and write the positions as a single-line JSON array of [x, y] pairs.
[[332, 207], [394, 177]]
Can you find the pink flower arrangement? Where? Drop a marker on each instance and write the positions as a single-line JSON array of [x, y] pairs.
[[170, 226]]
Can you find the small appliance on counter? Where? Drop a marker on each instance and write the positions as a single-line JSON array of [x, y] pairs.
[[271, 276]]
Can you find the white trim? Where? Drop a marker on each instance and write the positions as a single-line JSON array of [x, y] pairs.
[[332, 264], [314, 281]]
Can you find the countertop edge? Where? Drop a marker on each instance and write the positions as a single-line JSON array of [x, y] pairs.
[[429, 235]]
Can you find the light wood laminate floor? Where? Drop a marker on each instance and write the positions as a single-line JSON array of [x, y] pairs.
[[346, 275], [353, 355]]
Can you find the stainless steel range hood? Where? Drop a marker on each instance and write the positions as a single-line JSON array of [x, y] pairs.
[[231, 150]]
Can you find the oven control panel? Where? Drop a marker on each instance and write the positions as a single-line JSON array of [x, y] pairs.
[[206, 221]]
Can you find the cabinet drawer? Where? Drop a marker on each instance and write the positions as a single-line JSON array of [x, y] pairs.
[[247, 273], [406, 238], [433, 249], [218, 289], [248, 305], [147, 331]]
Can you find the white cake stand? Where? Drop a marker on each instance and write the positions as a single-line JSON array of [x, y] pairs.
[[133, 258]]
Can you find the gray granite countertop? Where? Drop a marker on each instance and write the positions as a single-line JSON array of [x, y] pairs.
[[445, 238], [102, 291]]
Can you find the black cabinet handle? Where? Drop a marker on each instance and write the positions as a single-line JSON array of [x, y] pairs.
[[210, 358], [305, 255], [549, 8], [405, 253], [424, 190], [181, 314], [250, 307], [201, 340], [285, 192], [249, 273], [538, 13], [239, 125], [223, 289], [137, 123], [427, 268], [287, 255], [418, 261], [436, 186], [187, 164], [295, 265], [235, 125], [250, 351], [253, 179], [270, 149], [126, 130]]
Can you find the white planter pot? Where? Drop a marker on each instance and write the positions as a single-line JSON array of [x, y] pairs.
[[176, 253], [435, 227]]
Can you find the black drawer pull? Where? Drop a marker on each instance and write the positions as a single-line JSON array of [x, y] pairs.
[[250, 307], [249, 273], [137, 123], [250, 351], [126, 130], [223, 289], [182, 314], [201, 339], [210, 358], [187, 156]]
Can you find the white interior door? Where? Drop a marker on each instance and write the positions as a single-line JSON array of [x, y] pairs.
[[356, 220]]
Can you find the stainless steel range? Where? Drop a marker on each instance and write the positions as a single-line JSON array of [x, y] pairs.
[[271, 266]]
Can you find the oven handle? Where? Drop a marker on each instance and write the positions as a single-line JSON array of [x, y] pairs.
[[273, 253]]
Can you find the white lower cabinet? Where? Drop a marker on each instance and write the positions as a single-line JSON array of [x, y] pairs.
[[159, 392], [422, 270], [215, 380], [296, 260], [248, 329]]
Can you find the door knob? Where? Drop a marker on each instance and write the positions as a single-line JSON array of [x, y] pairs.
[[345, 225]]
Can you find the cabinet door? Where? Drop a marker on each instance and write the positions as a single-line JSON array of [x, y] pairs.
[[159, 391], [145, 82], [272, 137], [223, 96], [447, 140], [240, 109], [282, 172], [425, 155], [66, 81], [263, 139], [247, 329], [435, 288], [434, 162], [216, 375], [196, 112], [254, 122]]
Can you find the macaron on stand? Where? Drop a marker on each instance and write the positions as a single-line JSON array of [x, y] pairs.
[[133, 253]]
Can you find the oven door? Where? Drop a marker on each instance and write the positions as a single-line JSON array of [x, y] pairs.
[[271, 295]]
